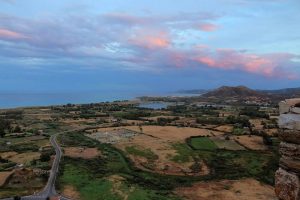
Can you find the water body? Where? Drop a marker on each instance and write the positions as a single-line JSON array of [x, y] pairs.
[[25, 99], [154, 105]]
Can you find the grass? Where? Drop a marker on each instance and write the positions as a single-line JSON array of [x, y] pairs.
[[238, 131], [184, 153], [146, 153], [227, 144], [93, 187], [203, 143], [88, 187]]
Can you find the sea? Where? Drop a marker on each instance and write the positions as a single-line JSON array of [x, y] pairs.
[[29, 99]]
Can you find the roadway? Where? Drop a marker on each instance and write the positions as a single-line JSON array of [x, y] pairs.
[[49, 189]]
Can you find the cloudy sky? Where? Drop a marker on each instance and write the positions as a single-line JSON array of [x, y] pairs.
[[148, 45]]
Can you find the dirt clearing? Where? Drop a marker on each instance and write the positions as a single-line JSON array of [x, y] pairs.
[[70, 192], [80, 152], [4, 176], [252, 142], [246, 189], [24, 158]]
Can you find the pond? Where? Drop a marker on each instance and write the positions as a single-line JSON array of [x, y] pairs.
[[154, 105]]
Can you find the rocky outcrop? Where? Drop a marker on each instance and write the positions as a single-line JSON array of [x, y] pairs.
[[287, 184]]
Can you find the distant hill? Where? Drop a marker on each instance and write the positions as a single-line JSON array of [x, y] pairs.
[[286, 91], [239, 91]]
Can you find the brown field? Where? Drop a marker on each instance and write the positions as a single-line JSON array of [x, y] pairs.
[[169, 133], [24, 158], [254, 142], [272, 132], [80, 152], [246, 189], [225, 128], [4, 176], [257, 123], [70, 192], [160, 139], [161, 116], [134, 122], [173, 133], [8, 155]]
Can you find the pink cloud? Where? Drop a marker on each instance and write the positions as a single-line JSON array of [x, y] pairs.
[[270, 65], [208, 27], [7, 34], [147, 40]]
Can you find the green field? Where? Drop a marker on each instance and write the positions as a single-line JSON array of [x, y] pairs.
[[203, 143], [227, 144], [146, 153]]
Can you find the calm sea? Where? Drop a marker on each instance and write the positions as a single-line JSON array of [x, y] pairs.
[[12, 100]]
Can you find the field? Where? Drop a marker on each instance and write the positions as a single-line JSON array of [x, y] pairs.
[[203, 143], [4, 176], [224, 143], [245, 189], [122, 151], [24, 158], [170, 133], [251, 142], [79, 152]]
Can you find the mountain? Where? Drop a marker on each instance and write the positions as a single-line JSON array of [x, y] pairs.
[[239, 91]]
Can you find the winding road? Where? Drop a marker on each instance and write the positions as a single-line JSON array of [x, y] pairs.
[[49, 190]]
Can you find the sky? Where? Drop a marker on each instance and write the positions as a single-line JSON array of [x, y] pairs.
[[148, 45]]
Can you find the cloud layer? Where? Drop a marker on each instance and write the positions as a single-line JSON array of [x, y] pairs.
[[135, 42]]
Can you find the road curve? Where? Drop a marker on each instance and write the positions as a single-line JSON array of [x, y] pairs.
[[49, 189]]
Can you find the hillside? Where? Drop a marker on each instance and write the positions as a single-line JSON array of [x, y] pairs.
[[239, 91]]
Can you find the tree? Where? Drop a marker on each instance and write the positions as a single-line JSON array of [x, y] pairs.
[[4, 127], [17, 129]]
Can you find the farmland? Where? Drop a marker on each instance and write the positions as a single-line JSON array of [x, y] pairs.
[[122, 151]]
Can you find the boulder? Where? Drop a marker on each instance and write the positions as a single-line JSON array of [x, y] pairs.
[[291, 136], [290, 164], [284, 107], [287, 186], [292, 102], [295, 110], [289, 121], [289, 150]]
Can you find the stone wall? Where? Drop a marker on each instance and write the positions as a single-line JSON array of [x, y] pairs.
[[287, 185]]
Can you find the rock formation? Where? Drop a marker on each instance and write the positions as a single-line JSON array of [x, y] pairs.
[[287, 185]]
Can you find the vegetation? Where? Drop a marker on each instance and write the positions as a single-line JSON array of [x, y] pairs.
[[146, 153], [5, 127], [202, 143]]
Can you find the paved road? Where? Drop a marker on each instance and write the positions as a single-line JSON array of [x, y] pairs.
[[49, 189]]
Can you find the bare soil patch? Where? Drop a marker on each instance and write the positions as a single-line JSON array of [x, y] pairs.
[[8, 155], [4, 176], [24, 158], [160, 140], [225, 128], [70, 192], [257, 123], [80, 152], [251, 142], [246, 189]]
